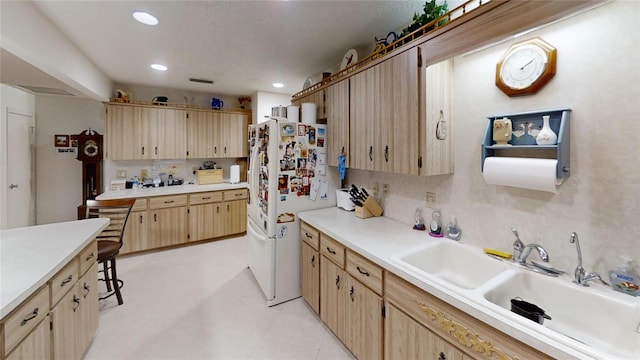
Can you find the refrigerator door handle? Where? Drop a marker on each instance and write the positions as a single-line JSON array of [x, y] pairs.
[[257, 234], [254, 175]]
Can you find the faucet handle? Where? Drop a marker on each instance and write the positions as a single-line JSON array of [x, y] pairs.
[[518, 245]]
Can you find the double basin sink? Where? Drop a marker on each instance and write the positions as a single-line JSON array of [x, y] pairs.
[[595, 320]]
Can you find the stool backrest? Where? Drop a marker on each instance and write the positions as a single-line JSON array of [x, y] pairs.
[[117, 211]]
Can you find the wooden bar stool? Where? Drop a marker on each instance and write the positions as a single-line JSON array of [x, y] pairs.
[[110, 239]]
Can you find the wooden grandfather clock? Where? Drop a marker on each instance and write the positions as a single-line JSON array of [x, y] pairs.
[[91, 154]]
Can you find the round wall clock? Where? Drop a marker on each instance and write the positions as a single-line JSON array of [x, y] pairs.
[[526, 67]]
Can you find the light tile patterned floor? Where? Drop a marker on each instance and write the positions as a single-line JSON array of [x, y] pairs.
[[201, 302]]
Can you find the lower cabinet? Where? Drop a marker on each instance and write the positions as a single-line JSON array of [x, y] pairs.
[[168, 226], [377, 315], [37, 345]]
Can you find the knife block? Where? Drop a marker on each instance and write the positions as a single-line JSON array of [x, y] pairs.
[[369, 208]]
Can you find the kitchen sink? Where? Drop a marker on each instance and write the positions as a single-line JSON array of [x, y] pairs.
[[460, 265], [595, 315]]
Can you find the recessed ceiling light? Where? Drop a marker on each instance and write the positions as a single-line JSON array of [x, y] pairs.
[[145, 18], [278, 85], [159, 67]]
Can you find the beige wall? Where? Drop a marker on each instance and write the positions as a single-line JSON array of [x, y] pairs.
[[59, 176], [598, 77]]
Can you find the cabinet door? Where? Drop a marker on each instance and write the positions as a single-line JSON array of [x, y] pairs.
[[200, 134], [87, 313], [337, 107], [235, 216], [136, 233], [171, 140], [202, 221], [363, 321], [168, 226], [121, 137], [363, 109], [332, 297], [310, 276], [37, 345], [64, 326]]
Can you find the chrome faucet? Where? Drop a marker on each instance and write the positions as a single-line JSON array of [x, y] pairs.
[[582, 277], [518, 245], [527, 250]]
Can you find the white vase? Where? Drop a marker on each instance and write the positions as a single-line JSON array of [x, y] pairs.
[[546, 136]]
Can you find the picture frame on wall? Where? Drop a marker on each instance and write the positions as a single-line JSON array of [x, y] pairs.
[[61, 140]]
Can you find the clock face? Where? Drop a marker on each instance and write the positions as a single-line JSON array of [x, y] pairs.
[[523, 66], [90, 148], [526, 67]]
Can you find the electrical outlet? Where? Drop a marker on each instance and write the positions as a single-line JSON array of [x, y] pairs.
[[122, 174], [374, 188], [431, 200], [385, 189]]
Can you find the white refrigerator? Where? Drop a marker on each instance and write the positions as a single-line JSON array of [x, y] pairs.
[[287, 174]]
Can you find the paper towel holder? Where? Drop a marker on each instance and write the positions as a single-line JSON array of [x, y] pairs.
[[525, 145]]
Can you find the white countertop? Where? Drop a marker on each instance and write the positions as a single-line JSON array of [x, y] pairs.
[[380, 238], [168, 190], [30, 256]]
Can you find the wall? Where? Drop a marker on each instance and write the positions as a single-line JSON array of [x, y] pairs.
[[176, 96], [24, 103], [598, 77], [262, 102], [59, 176]]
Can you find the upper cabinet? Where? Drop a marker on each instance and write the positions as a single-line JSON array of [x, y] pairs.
[[317, 98], [337, 110], [138, 132], [145, 133], [216, 134]]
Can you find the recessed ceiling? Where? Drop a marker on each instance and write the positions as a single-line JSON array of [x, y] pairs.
[[242, 46]]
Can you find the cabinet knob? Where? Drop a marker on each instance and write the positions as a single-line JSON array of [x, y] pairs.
[[442, 356]]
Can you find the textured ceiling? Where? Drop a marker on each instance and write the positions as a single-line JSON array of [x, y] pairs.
[[244, 46]]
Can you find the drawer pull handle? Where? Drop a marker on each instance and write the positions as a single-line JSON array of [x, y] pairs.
[[76, 301], [67, 280], [33, 315], [90, 256], [363, 272], [307, 235], [239, 194], [87, 290], [206, 198], [338, 281], [331, 251], [169, 201]]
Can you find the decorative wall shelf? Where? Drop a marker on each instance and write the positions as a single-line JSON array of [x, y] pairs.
[[523, 142]]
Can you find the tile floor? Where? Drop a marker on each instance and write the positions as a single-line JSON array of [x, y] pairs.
[[201, 302]]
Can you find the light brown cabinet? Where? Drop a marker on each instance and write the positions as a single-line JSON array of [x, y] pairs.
[[337, 111], [205, 216], [333, 284], [145, 132], [217, 134], [385, 116], [37, 345], [168, 220], [19, 325], [310, 266], [317, 98]]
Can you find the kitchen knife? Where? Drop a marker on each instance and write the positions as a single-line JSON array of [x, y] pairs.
[[366, 194]]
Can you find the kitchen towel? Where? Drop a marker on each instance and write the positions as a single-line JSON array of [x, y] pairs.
[[309, 113], [528, 173], [293, 113], [234, 174]]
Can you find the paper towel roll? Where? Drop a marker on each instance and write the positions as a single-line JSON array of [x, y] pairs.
[[309, 113], [234, 174], [293, 113], [528, 173]]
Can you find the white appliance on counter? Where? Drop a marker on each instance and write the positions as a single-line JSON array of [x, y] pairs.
[[287, 174]]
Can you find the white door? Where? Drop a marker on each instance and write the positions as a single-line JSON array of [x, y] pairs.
[[20, 170]]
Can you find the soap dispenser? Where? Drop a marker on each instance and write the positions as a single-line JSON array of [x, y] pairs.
[[453, 231], [435, 227], [624, 279]]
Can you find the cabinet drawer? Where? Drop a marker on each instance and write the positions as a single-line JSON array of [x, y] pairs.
[[140, 204], [88, 257], [332, 250], [160, 202], [365, 271], [205, 197], [23, 319], [64, 281], [237, 194], [309, 235]]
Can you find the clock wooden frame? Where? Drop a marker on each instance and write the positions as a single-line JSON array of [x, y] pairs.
[[547, 74]]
